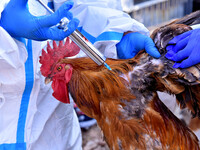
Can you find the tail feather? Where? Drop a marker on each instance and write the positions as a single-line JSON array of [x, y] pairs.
[[191, 19]]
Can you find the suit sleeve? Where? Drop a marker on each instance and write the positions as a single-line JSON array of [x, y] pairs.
[[103, 23]]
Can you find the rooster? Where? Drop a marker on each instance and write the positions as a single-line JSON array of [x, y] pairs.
[[124, 101]]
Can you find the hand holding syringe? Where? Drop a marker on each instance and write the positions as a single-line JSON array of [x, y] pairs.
[[82, 42]]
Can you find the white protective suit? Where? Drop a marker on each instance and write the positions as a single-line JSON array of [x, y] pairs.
[[30, 118]]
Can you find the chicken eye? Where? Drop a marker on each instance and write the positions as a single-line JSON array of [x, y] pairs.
[[59, 68]]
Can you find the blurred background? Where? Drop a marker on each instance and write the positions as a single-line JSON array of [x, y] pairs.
[[155, 12]]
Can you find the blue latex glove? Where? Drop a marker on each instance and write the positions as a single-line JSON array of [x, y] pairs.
[[133, 42], [184, 49], [19, 22]]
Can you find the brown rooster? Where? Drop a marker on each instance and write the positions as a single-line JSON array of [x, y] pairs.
[[124, 101]]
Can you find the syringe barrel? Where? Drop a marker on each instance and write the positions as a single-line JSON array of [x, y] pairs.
[[87, 47]]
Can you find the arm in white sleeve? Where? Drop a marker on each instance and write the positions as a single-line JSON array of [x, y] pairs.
[[104, 23], [13, 53]]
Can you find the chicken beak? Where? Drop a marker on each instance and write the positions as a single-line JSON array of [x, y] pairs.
[[67, 67], [47, 80]]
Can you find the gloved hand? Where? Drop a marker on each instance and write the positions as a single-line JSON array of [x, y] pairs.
[[184, 49], [133, 42], [19, 22]]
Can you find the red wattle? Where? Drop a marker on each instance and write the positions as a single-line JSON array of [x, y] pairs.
[[60, 91]]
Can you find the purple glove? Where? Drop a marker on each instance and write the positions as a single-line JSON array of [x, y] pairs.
[[184, 49]]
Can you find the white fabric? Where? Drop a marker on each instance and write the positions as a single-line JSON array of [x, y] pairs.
[[3, 4], [127, 5], [196, 26], [51, 125], [11, 85]]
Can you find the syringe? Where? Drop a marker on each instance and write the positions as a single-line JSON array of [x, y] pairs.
[[80, 40]]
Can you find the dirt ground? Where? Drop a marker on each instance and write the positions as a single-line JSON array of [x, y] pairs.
[[93, 139]]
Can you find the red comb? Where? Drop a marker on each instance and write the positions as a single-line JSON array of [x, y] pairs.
[[49, 58]]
